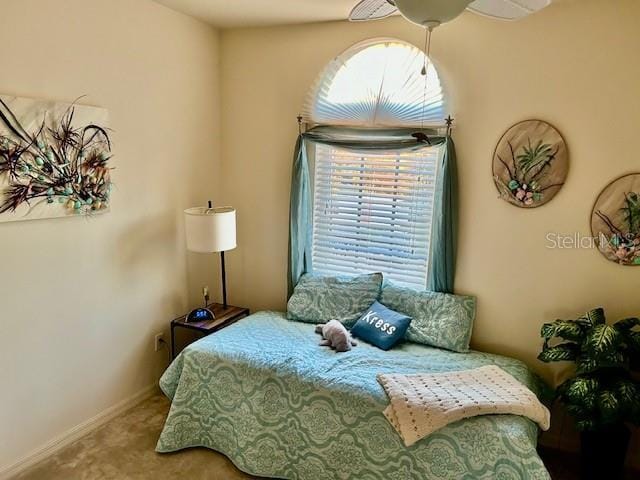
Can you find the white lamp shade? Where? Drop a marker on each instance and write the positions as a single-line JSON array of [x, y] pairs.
[[210, 230]]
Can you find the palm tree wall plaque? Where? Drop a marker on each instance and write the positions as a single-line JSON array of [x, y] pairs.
[[530, 164]]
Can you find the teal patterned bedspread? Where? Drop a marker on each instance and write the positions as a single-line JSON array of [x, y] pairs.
[[264, 393]]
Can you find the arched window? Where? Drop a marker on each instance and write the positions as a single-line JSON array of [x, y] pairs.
[[377, 83], [373, 207]]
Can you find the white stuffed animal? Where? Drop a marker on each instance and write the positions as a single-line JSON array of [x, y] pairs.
[[336, 336]]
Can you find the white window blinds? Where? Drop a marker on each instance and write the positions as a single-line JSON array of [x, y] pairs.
[[378, 84], [373, 212]]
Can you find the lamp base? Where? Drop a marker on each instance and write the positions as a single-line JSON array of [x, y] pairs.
[[224, 280]]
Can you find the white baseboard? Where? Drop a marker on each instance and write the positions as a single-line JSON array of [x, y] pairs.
[[66, 438]]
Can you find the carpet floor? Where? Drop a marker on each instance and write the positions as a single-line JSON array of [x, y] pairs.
[[124, 449]]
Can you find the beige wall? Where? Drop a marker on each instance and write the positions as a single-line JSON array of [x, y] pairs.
[[575, 65], [81, 300]]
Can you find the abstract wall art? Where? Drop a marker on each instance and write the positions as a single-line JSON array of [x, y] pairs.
[[54, 159], [530, 164], [615, 220]]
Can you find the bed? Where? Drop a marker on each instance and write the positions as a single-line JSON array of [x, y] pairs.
[[263, 393]]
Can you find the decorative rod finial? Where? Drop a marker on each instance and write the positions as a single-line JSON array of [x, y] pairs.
[[299, 117], [449, 122]]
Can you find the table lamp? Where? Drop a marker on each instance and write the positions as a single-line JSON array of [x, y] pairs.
[[211, 230]]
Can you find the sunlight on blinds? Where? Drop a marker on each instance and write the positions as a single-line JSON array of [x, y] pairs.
[[377, 84], [373, 212]]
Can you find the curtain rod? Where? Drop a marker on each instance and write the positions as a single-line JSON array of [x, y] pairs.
[[448, 125]]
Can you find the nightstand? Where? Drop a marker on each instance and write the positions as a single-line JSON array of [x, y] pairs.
[[224, 318]]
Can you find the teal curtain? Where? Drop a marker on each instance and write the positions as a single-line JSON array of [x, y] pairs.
[[444, 236], [443, 247], [300, 217]]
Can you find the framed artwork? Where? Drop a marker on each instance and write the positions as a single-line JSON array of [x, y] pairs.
[[615, 220], [530, 164], [54, 159]]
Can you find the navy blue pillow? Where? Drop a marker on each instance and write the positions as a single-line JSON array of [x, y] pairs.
[[381, 326]]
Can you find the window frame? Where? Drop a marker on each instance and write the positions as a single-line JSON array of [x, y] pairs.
[[320, 85]]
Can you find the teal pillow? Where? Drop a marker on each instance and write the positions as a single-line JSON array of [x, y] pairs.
[[381, 326], [318, 299], [439, 319]]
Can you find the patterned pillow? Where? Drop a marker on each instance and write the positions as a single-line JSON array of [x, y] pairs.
[[439, 319], [381, 326], [318, 299]]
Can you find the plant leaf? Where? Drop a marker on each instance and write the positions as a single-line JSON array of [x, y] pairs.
[[590, 402], [595, 317], [609, 406], [627, 324], [614, 359], [585, 425], [533, 156], [628, 394], [580, 412], [576, 410], [579, 389], [586, 365], [564, 329], [633, 340], [602, 340], [631, 212], [564, 352]]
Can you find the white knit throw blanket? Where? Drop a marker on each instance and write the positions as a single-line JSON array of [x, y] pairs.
[[422, 404]]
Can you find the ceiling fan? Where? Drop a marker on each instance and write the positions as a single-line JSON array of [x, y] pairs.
[[431, 13]]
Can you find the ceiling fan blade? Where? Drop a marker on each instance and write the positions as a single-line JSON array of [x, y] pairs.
[[372, 10], [507, 9]]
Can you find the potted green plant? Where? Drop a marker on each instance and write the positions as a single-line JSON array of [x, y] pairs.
[[604, 395]]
